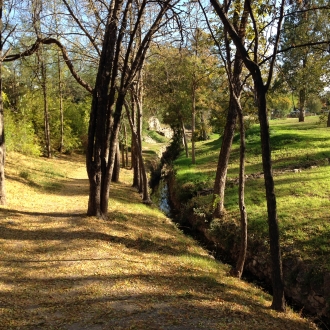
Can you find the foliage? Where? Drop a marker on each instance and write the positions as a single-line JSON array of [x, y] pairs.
[[279, 104], [20, 135], [314, 104], [170, 73], [24, 108], [305, 69]]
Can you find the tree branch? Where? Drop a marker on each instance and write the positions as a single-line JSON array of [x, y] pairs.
[[48, 41], [273, 57], [91, 39]]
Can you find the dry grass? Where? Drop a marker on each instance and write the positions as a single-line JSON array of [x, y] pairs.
[[62, 270]]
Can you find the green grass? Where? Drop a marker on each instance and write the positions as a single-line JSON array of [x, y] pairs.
[[302, 197], [157, 137], [39, 173]]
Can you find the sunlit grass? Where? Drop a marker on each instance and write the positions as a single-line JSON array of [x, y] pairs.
[[301, 164]]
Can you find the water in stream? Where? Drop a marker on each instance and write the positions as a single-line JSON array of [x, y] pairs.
[[160, 197]]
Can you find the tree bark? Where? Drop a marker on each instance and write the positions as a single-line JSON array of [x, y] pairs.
[[60, 89], [193, 123], [122, 151], [221, 174], [126, 145], [184, 137], [274, 234], [45, 99], [116, 168], [2, 132], [238, 270], [302, 102]]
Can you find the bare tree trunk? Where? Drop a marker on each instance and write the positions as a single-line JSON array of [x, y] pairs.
[[60, 89], [42, 63], [126, 145], [302, 102], [221, 174], [143, 172], [36, 12], [193, 124], [116, 168], [203, 125], [238, 270], [328, 122], [122, 151], [137, 95], [184, 137], [2, 132], [234, 77], [134, 156], [302, 97]]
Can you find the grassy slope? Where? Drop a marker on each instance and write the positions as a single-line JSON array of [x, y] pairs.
[[302, 195], [62, 270]]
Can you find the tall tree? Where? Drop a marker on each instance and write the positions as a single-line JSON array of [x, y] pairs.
[[234, 67], [110, 92], [261, 88]]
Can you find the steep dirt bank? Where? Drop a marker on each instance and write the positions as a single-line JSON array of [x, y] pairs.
[[306, 286]]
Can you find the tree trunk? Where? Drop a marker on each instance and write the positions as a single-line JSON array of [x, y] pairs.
[[328, 122], [184, 136], [137, 95], [274, 234], [45, 99], [234, 78], [302, 102], [221, 174], [2, 132], [60, 89], [238, 271], [203, 128], [135, 166], [116, 167], [193, 124], [138, 149], [126, 145], [98, 144], [122, 151], [106, 179]]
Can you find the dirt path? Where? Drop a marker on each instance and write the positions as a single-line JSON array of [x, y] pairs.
[[62, 270]]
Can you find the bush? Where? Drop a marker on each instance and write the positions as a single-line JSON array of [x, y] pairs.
[[20, 136]]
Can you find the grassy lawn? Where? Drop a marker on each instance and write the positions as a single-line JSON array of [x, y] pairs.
[[63, 270], [301, 164]]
